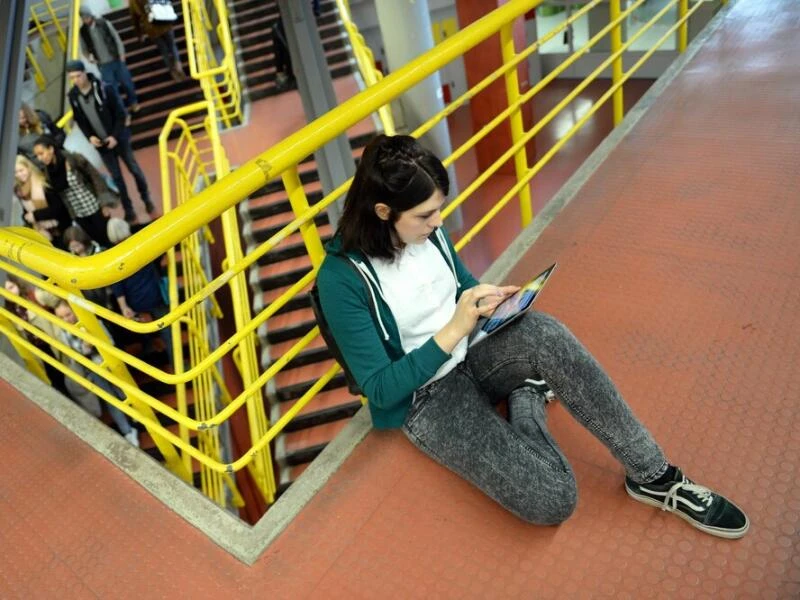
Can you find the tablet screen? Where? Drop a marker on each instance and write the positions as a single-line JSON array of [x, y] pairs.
[[516, 304]]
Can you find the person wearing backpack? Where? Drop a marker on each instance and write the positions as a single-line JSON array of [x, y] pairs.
[[160, 33]]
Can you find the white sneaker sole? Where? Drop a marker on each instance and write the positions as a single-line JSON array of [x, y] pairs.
[[729, 534]]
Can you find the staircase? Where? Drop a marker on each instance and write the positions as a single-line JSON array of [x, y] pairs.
[[251, 28], [265, 213], [158, 93], [262, 215]]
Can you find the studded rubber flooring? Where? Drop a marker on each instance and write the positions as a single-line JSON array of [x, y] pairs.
[[679, 269]]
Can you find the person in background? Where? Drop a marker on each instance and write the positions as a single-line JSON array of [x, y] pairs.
[[160, 34], [102, 44], [78, 242], [65, 313], [284, 74], [20, 288], [34, 124], [44, 210], [99, 113], [141, 292], [79, 185]]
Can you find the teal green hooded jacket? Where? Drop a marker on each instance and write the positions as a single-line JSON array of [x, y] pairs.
[[366, 332]]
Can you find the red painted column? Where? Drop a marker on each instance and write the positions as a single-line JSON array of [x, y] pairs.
[[480, 62]]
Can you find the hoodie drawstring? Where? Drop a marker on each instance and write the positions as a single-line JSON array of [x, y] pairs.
[[372, 285], [446, 252]]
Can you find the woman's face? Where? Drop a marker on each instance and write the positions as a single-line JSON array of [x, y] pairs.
[[76, 248], [23, 120], [44, 154], [22, 173], [11, 287], [416, 224]]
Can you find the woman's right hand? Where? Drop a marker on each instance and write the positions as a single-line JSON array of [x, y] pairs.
[[474, 303]]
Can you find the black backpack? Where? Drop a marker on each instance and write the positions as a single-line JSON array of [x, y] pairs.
[[325, 331]]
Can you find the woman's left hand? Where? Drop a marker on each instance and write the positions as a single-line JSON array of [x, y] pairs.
[[488, 296]]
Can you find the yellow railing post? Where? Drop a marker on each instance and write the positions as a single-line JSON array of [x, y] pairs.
[[91, 324], [683, 30], [75, 25], [299, 202], [616, 66], [62, 37], [33, 364], [366, 63], [515, 121], [47, 47]]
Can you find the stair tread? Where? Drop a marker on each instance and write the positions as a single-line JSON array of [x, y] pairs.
[[293, 240], [281, 348], [313, 436], [294, 318], [276, 222], [302, 375], [322, 401], [271, 295], [283, 267]]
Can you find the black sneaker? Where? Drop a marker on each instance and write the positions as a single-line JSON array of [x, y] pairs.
[[701, 507]]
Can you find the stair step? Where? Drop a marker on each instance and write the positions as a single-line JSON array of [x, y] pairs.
[[301, 300], [306, 444], [290, 325], [301, 456], [266, 202], [294, 383], [307, 176], [337, 403], [294, 249], [263, 229]]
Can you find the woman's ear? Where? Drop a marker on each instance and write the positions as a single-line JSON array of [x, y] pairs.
[[383, 211]]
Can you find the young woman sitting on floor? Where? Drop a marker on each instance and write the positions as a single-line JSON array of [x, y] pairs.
[[401, 306]]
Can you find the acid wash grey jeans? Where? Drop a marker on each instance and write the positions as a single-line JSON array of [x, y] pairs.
[[454, 422]]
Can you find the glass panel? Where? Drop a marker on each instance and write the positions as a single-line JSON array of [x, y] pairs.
[[642, 15], [550, 16]]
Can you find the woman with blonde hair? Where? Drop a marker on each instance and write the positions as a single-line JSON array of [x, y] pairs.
[[43, 209]]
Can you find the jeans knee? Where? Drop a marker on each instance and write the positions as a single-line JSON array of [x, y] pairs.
[[553, 507]]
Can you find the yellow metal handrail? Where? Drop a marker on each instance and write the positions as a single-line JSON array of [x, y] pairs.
[[219, 79], [74, 52], [66, 275], [43, 17], [188, 161], [366, 62]]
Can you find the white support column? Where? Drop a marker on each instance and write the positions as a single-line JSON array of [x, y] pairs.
[[406, 29]]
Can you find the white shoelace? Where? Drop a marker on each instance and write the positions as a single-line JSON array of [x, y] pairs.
[[702, 493]]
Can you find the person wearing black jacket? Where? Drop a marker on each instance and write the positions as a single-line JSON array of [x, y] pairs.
[[43, 208], [98, 111]]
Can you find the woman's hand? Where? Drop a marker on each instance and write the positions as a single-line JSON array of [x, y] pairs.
[[476, 302]]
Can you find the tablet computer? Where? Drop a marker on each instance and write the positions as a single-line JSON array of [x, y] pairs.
[[510, 309]]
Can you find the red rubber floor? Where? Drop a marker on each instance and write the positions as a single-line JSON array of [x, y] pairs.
[[679, 270]]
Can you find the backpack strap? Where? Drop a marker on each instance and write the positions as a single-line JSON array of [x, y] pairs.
[[327, 335]]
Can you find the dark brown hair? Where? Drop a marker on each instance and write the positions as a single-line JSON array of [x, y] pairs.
[[396, 171]]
